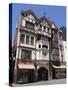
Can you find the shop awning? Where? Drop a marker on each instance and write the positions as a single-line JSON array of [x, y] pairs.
[[26, 66], [61, 66]]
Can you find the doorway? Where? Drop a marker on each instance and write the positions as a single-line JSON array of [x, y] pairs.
[[42, 74]]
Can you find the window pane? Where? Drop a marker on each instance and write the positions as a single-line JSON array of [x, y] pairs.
[[22, 38], [39, 54], [39, 46], [26, 54], [30, 25], [44, 27], [22, 54], [45, 46], [32, 40], [44, 53], [55, 56], [27, 39], [40, 26]]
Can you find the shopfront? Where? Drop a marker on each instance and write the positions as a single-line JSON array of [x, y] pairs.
[[58, 72], [25, 73]]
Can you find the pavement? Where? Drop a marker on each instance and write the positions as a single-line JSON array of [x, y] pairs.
[[50, 82]]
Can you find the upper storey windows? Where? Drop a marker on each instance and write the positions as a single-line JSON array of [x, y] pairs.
[[27, 39], [30, 21], [45, 29], [30, 25]]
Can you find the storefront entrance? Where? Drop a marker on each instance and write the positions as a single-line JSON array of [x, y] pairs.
[[42, 74], [58, 72], [25, 76]]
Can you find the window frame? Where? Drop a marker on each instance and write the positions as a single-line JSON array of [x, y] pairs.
[[32, 41], [22, 39]]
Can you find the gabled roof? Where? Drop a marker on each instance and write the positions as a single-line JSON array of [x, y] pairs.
[[28, 12], [54, 24], [39, 20], [45, 19]]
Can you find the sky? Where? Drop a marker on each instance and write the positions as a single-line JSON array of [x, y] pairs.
[[55, 13]]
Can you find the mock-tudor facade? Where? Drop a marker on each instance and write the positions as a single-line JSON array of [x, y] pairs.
[[39, 49]]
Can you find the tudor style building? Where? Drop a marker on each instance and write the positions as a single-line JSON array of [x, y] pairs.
[[37, 46]]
